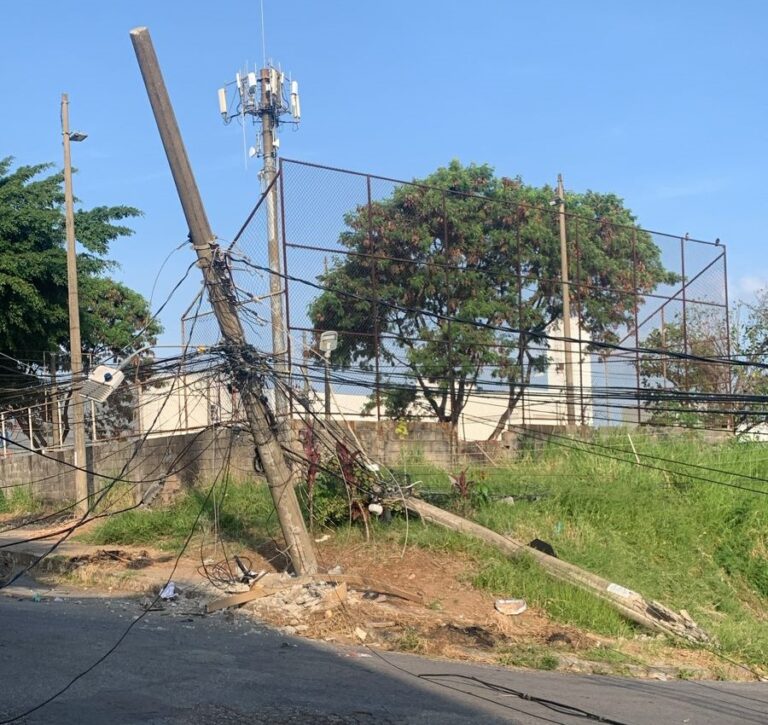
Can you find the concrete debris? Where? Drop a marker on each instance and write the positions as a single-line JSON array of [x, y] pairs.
[[296, 602], [510, 606], [361, 634], [237, 587]]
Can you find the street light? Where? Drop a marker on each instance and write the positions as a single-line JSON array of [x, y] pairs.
[[75, 345], [329, 341]]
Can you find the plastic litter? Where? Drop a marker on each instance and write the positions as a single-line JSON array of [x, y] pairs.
[[169, 591], [510, 606]]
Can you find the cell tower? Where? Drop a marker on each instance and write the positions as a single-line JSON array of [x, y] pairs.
[[261, 96], [266, 96]]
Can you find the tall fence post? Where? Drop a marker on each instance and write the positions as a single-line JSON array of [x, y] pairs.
[[577, 285], [521, 337], [683, 296], [375, 296], [5, 442], [731, 421], [635, 295], [451, 378]]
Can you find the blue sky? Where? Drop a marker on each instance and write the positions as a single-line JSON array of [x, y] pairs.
[[663, 103]]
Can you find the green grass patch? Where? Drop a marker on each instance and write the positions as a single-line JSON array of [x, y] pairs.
[[531, 657], [240, 512], [690, 544], [19, 500]]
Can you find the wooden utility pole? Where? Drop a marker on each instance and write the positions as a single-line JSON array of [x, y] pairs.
[[75, 346], [569, 401], [221, 295]]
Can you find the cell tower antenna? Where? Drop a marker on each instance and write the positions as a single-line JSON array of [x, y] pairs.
[[263, 36], [268, 99]]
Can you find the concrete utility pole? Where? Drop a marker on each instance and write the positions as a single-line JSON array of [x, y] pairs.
[[221, 295], [75, 346], [279, 342], [569, 401]]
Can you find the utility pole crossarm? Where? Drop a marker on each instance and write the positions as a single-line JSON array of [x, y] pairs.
[[219, 285]]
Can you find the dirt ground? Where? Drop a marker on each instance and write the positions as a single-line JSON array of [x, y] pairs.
[[443, 616]]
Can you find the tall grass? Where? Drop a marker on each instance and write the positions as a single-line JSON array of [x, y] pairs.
[[690, 544], [240, 512], [19, 500]]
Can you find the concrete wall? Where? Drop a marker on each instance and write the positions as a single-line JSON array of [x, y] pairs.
[[193, 457], [199, 456]]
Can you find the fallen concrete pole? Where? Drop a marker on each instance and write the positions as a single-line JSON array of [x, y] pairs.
[[630, 604]]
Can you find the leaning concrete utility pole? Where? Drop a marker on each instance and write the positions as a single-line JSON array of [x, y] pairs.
[[75, 346], [222, 298], [569, 402]]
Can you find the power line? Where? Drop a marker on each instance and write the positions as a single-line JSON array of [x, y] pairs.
[[133, 623], [510, 330]]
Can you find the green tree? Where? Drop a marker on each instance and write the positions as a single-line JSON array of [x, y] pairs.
[[463, 244], [34, 322], [738, 392]]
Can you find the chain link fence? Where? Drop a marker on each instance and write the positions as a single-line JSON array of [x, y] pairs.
[[448, 306]]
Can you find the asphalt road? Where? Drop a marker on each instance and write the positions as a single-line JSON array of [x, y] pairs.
[[174, 668]]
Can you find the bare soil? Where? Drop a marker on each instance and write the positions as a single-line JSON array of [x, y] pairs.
[[454, 620]]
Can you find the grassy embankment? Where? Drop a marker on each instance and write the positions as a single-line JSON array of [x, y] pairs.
[[690, 544]]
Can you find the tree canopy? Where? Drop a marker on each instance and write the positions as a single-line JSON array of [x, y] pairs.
[[34, 322], [457, 257], [710, 392]]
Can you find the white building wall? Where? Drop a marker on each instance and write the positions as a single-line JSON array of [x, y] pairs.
[[195, 401]]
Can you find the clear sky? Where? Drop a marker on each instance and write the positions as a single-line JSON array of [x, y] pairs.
[[661, 102]]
